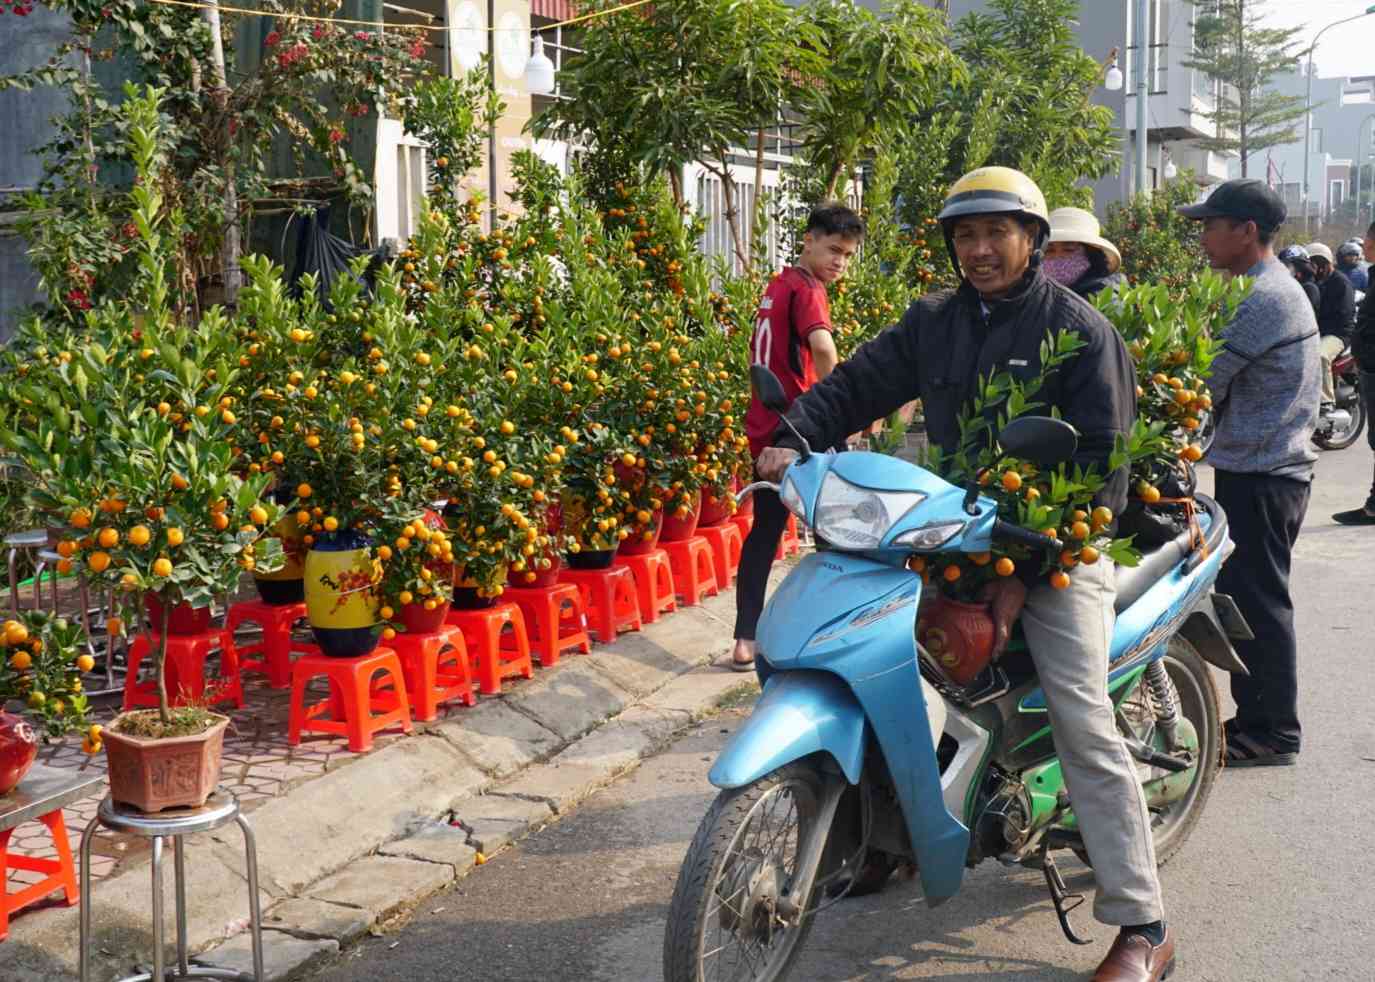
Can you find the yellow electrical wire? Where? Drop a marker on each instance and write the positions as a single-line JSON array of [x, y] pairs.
[[372, 23]]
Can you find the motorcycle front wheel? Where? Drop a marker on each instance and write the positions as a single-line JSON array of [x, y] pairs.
[[723, 923]]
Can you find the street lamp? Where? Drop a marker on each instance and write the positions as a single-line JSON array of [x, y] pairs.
[[1169, 170], [1308, 108]]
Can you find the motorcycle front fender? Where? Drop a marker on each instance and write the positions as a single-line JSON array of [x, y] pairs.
[[799, 714]]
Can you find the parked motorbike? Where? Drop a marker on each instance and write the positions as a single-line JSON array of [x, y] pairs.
[[1341, 426], [862, 752]]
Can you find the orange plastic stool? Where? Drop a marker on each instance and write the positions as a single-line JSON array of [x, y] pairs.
[[790, 544], [726, 545], [557, 619], [356, 708], [610, 598], [694, 569], [496, 653], [186, 656], [436, 669], [58, 874], [271, 655], [653, 583], [744, 523]]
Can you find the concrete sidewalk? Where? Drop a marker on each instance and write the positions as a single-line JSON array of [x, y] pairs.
[[362, 843]]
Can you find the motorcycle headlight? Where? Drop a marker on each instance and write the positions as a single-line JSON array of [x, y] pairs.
[[851, 517], [792, 499], [929, 536]]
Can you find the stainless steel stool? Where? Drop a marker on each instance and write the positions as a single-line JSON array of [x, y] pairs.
[[220, 809], [29, 541]]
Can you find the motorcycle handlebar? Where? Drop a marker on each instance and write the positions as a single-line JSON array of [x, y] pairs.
[[749, 489], [1007, 530]]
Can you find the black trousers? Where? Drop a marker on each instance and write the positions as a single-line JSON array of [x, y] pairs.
[[1265, 514], [756, 557]]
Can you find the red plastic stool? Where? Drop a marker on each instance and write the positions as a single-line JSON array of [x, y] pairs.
[[744, 523], [557, 617], [435, 667], [610, 598], [271, 655], [496, 653], [58, 874], [653, 583], [726, 544], [356, 707], [186, 656], [694, 569], [790, 544]]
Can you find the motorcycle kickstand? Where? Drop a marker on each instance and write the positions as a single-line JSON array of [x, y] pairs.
[[1064, 901]]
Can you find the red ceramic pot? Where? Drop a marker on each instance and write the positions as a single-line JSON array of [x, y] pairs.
[[635, 544], [677, 529], [715, 511], [185, 619], [959, 636], [417, 620], [531, 579], [18, 749]]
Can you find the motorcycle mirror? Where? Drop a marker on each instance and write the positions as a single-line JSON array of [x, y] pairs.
[[769, 389], [1043, 440]]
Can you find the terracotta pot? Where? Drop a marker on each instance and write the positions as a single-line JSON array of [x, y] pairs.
[[677, 529], [417, 620], [959, 636], [175, 772], [341, 577], [286, 585], [715, 511], [645, 538], [18, 750], [185, 619], [592, 559]]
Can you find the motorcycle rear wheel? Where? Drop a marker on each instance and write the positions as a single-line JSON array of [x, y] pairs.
[[1198, 703], [1348, 435], [721, 923]]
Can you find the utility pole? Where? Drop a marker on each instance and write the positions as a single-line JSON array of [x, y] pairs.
[[1143, 34]]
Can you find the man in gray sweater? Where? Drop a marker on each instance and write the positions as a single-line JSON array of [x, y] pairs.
[[1265, 387]]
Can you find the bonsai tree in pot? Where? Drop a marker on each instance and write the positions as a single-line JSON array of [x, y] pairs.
[[41, 662], [133, 460]]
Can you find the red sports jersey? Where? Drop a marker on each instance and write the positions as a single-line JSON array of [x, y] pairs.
[[793, 307]]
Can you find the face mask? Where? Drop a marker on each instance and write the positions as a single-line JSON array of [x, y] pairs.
[[1066, 270]]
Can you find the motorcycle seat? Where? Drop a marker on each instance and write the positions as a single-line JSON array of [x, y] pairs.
[[1134, 581]]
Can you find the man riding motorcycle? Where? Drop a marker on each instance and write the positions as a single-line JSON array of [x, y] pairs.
[[995, 224]]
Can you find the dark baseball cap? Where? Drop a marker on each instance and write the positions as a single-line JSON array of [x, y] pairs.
[[1245, 200]]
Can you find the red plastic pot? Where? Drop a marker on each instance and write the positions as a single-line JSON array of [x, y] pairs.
[[635, 544], [18, 750], [715, 511], [417, 620], [185, 619]]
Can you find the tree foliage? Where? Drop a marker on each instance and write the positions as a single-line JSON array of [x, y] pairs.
[[1234, 47], [1158, 244]]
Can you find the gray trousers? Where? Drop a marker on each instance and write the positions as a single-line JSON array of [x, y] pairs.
[[1069, 633]]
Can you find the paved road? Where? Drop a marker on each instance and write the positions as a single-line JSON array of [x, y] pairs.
[[1274, 886]]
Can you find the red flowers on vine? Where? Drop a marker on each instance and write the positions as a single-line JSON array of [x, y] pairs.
[[272, 38]]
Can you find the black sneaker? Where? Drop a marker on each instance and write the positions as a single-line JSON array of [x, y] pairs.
[[1356, 516]]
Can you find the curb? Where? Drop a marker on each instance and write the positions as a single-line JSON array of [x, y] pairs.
[[343, 853]]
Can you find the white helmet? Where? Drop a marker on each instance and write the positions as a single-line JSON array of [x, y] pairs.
[[1319, 251]]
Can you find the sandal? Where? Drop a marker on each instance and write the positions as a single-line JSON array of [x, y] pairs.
[[1245, 751], [742, 666]]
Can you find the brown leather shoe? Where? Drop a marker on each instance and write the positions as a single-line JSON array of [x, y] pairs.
[[1132, 959]]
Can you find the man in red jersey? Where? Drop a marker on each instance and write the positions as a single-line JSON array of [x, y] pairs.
[[792, 337]]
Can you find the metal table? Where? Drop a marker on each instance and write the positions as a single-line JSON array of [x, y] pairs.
[[40, 797], [221, 809]]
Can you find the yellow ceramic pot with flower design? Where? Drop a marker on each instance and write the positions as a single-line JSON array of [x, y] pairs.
[[341, 578], [286, 585]]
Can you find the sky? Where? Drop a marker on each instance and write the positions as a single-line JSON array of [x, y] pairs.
[[1343, 51]]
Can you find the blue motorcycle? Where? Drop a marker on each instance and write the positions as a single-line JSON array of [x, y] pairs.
[[863, 754]]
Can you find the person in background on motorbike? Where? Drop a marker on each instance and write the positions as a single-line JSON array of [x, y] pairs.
[[1349, 255], [1264, 385], [995, 224], [1300, 265], [1363, 347], [792, 338], [1336, 317], [1077, 255]]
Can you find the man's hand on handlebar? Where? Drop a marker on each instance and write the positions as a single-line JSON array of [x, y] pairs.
[[772, 462]]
